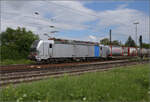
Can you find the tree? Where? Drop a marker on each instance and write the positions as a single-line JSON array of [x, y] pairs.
[[115, 42], [130, 42], [105, 41], [145, 45], [15, 43]]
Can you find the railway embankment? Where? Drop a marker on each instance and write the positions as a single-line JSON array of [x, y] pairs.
[[128, 83], [28, 73]]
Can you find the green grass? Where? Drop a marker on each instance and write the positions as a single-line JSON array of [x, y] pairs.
[[11, 62], [126, 84]]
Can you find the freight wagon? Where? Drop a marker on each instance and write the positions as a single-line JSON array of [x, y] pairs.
[[115, 51], [128, 51], [123, 51]]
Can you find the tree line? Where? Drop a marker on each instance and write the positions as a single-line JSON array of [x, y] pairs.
[[129, 43], [15, 43]]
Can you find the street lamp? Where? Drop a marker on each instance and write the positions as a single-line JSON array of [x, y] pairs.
[[54, 31], [36, 13], [51, 26], [46, 35], [136, 23]]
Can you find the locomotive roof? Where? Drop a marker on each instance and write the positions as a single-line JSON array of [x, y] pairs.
[[64, 41]]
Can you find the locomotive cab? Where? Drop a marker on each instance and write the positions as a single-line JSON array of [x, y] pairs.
[[33, 50], [41, 49]]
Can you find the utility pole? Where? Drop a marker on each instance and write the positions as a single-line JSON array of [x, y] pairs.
[[110, 41], [110, 36], [136, 23], [140, 41]]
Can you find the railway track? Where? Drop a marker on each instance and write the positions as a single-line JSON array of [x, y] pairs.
[[23, 67], [58, 71]]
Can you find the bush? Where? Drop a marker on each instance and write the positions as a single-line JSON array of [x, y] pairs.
[[20, 61], [15, 43]]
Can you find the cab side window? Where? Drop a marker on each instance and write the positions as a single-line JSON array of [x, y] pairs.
[[50, 45], [101, 48]]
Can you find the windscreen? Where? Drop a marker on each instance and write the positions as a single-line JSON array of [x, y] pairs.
[[34, 45]]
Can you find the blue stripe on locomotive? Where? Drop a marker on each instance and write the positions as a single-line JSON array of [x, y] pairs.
[[96, 51]]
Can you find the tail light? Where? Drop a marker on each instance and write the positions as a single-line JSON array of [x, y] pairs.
[[34, 54]]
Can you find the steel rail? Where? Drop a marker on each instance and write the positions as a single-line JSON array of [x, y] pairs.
[[30, 66], [38, 75]]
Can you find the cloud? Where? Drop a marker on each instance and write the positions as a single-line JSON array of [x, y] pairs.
[[122, 6], [92, 37], [73, 15], [21, 13], [121, 22]]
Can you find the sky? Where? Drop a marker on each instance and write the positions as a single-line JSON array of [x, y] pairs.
[[86, 20]]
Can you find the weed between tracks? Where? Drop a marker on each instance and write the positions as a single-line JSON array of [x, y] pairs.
[[124, 84], [11, 62]]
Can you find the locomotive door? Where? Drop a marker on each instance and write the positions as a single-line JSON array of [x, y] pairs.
[[101, 52], [75, 50], [45, 50], [50, 50]]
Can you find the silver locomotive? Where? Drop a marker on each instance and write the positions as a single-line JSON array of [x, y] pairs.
[[58, 49]]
